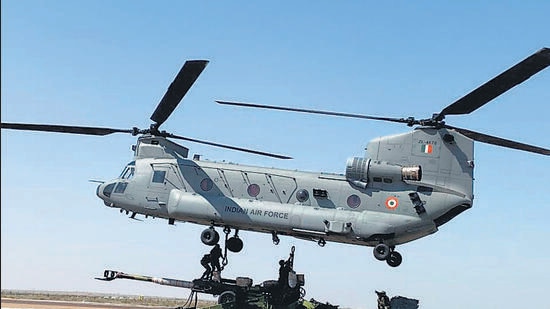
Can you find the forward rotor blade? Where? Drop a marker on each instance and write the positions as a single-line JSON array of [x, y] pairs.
[[484, 138], [63, 129], [498, 85], [301, 110], [229, 147], [177, 89]]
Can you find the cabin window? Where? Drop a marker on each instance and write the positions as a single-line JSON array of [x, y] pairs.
[[387, 180], [206, 184], [158, 176], [253, 190], [354, 201], [302, 195], [120, 187], [377, 179]]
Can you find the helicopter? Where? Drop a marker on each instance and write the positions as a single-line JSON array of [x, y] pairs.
[[405, 187]]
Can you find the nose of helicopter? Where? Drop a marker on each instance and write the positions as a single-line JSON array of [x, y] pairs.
[[104, 191], [98, 190]]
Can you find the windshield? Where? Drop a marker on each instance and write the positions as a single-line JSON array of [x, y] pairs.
[[128, 171]]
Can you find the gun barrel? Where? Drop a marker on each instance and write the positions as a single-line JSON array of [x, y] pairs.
[[173, 282], [109, 275]]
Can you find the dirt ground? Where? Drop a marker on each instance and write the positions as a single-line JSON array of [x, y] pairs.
[[8, 303]]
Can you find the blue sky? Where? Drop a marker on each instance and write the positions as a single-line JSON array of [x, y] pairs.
[[108, 63]]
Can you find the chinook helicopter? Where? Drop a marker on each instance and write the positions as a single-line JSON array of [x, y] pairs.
[[405, 187]]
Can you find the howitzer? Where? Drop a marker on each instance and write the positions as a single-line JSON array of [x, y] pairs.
[[238, 293], [235, 293]]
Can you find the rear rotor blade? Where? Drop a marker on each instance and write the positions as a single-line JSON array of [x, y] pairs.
[[229, 147], [498, 85], [177, 89], [63, 129], [301, 110], [484, 138]]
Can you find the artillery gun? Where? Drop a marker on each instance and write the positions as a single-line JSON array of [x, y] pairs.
[[396, 302], [239, 292]]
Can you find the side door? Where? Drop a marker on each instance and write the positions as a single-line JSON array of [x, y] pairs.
[[163, 178]]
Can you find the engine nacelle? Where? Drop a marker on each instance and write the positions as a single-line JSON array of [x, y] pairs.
[[361, 171]]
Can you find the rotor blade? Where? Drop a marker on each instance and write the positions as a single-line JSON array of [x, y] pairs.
[[177, 89], [498, 85], [484, 138], [229, 147], [301, 110], [62, 128]]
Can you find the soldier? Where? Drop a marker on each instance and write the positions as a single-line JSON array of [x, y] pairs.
[[205, 262], [215, 255], [383, 300], [284, 270]]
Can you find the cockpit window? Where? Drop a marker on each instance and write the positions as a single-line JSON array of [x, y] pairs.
[[158, 176], [128, 173], [108, 189], [120, 187]]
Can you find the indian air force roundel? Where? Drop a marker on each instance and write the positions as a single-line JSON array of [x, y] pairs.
[[392, 202]]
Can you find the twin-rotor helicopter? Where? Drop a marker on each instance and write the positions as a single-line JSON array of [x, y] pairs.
[[404, 188]]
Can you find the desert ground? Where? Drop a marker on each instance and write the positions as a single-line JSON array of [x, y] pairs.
[[67, 300]]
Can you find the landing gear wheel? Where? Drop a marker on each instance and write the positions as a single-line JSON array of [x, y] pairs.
[[322, 242], [210, 237], [381, 252], [234, 244], [227, 297], [394, 259]]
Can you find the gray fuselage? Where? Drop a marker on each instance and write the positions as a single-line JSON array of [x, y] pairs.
[[372, 202]]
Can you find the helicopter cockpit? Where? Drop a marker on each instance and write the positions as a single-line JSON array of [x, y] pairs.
[[118, 185], [129, 170]]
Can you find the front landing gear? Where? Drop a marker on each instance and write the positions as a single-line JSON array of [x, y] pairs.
[[210, 236], [383, 252], [394, 259], [233, 244]]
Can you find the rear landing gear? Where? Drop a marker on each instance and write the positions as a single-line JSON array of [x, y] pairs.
[[394, 259], [383, 252]]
